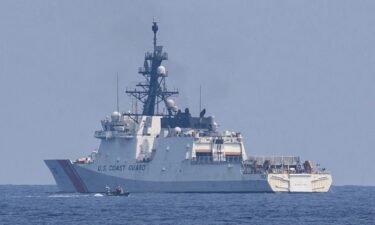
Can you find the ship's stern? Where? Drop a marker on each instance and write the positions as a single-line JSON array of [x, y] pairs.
[[303, 182]]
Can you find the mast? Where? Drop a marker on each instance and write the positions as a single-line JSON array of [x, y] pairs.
[[153, 90]]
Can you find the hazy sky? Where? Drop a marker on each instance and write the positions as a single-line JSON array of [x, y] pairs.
[[295, 77]]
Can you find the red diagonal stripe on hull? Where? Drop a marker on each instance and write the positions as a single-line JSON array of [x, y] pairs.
[[76, 181]]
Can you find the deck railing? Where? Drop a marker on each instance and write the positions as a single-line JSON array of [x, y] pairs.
[[216, 160], [274, 160]]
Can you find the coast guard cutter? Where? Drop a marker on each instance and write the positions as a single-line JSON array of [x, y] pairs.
[[175, 151]]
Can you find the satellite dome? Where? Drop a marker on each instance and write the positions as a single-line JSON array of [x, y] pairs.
[[170, 103], [177, 129], [162, 71], [115, 116]]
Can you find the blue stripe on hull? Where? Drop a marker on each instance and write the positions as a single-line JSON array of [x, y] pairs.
[[66, 177]]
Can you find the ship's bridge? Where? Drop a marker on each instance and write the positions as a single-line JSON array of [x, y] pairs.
[[119, 126]]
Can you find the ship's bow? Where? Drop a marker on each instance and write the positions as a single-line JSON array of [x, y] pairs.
[[66, 177]]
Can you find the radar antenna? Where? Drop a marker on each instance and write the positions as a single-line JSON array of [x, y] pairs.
[[118, 107], [200, 98]]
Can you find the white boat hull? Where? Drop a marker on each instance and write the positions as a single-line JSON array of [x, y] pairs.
[[303, 182]]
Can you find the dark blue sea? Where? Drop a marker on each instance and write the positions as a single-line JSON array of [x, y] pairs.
[[44, 205]]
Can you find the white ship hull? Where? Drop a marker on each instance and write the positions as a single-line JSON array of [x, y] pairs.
[[74, 178]]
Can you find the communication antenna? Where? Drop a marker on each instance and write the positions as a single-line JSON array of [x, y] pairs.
[[200, 98], [118, 107], [155, 30]]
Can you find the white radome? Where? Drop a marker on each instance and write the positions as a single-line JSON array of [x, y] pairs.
[[177, 130], [161, 70], [115, 116], [170, 103]]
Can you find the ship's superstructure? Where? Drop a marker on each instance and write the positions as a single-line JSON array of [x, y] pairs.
[[173, 151]]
